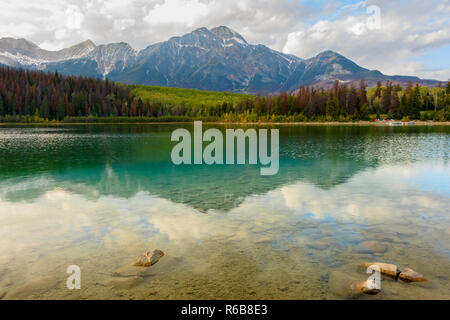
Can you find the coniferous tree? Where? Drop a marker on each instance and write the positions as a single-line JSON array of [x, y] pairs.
[[332, 108], [395, 103], [414, 103], [402, 111], [60, 109], [363, 93], [139, 107], [364, 112], [11, 104], [2, 106], [386, 98], [45, 109]]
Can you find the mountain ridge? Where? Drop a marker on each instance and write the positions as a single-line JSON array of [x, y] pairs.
[[217, 59]]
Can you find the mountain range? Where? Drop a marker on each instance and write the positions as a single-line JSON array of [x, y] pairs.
[[217, 59]]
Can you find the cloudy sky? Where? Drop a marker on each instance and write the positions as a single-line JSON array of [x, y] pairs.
[[408, 37]]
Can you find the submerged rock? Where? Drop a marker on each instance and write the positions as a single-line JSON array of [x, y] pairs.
[[409, 275], [148, 259], [349, 287], [392, 271], [371, 247], [386, 269], [145, 261]]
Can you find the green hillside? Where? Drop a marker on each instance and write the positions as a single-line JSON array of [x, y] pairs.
[[189, 98]]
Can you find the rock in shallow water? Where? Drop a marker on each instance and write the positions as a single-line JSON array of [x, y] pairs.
[[386, 269], [409, 275], [148, 259], [392, 271], [145, 261], [349, 287], [371, 247]]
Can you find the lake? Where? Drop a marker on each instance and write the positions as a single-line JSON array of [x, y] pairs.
[[97, 196]]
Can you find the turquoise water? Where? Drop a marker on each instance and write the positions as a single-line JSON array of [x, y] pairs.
[[98, 196]]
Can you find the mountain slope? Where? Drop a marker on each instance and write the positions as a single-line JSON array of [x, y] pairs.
[[21, 52], [104, 60], [219, 59]]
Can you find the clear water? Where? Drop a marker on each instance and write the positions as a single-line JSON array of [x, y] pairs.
[[98, 196]]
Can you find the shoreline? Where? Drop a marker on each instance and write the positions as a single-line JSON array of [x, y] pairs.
[[332, 123]]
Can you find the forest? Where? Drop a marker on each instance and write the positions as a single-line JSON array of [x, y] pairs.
[[35, 96]]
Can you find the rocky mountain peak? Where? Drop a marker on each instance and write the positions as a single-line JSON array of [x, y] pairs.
[[328, 55], [17, 45], [200, 38], [77, 51], [201, 30], [88, 45], [122, 46], [227, 34], [208, 39]]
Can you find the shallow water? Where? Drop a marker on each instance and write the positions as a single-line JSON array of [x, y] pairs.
[[98, 196]]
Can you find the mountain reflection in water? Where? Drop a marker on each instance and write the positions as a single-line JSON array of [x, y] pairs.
[[97, 196]]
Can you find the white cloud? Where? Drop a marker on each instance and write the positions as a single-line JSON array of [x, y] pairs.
[[74, 17], [177, 11], [405, 29]]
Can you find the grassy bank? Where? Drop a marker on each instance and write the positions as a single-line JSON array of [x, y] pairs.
[[226, 118], [184, 119]]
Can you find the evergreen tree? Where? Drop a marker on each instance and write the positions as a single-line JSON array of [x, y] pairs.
[[45, 108], [386, 98], [2, 106], [364, 112], [414, 103], [363, 93], [11, 104], [332, 108], [60, 109], [402, 111], [395, 103], [140, 107]]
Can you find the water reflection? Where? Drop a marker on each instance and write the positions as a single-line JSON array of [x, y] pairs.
[[124, 160], [227, 232], [300, 221]]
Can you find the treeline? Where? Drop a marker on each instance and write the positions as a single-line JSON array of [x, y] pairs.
[[25, 93], [345, 102], [33, 96]]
